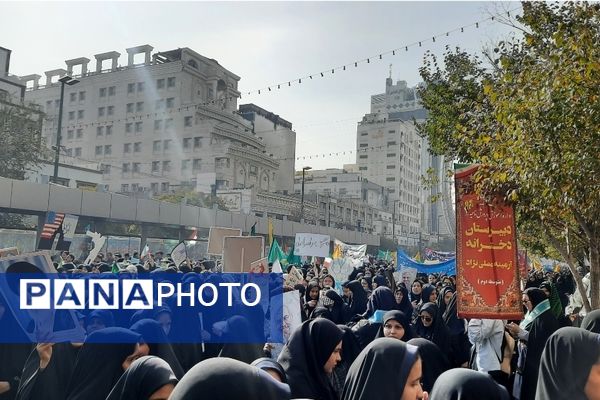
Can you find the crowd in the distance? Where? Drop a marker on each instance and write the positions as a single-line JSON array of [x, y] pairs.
[[374, 339]]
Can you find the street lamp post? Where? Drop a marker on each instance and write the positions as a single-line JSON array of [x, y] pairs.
[[304, 169], [68, 81]]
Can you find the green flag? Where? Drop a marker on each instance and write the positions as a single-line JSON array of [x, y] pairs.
[[253, 230], [292, 259], [276, 253], [115, 268]]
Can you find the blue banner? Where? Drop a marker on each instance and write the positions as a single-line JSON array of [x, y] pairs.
[[191, 308], [446, 267]]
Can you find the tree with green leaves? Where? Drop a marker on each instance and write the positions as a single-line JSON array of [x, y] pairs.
[[531, 118], [21, 145]]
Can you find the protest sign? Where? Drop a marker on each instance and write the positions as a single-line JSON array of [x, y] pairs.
[[259, 267], [98, 241], [293, 278], [179, 254], [69, 224], [311, 244], [51, 228], [240, 251], [487, 268], [216, 236], [406, 275], [341, 249], [429, 267]]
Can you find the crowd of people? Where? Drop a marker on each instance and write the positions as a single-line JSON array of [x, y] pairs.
[[371, 338]]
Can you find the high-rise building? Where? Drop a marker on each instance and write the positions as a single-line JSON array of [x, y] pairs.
[[391, 153], [162, 121]]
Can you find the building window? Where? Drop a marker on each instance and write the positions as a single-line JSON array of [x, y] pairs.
[[160, 104], [130, 88], [187, 121], [98, 150], [391, 131], [70, 134], [169, 124], [139, 106], [158, 124], [101, 112], [197, 164], [107, 149], [129, 107], [156, 146], [106, 168], [100, 131], [109, 130], [167, 145], [73, 97], [112, 90], [391, 143], [390, 179], [185, 165], [137, 147], [363, 145], [334, 179], [155, 166], [363, 156], [389, 155], [164, 186], [187, 143], [48, 104], [129, 127], [135, 187], [197, 142], [136, 167], [77, 151], [71, 115], [140, 87], [160, 84], [171, 82], [364, 133], [80, 114], [79, 133], [127, 148], [81, 96], [171, 102], [166, 166], [362, 168], [390, 167], [138, 127], [125, 187], [154, 187], [125, 168], [102, 92], [110, 110]]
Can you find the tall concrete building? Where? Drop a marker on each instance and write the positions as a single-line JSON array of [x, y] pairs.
[[390, 152], [164, 120]]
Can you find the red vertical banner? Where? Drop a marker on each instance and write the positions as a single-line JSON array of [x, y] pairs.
[[486, 254]]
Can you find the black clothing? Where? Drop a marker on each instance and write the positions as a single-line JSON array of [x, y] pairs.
[[143, 377], [305, 355], [466, 384], [380, 371], [358, 303], [591, 322], [227, 379], [153, 335], [434, 361]]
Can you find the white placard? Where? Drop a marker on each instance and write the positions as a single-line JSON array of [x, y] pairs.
[[311, 244], [179, 254]]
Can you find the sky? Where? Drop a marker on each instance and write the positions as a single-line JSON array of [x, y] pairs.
[[264, 43]]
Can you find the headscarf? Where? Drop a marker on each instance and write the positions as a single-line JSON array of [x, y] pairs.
[[437, 331], [382, 298], [454, 324], [417, 297], [440, 300], [311, 284], [566, 362], [154, 336], [555, 304], [226, 379], [305, 355], [268, 364], [405, 305], [104, 315], [339, 308], [99, 363], [401, 318], [466, 384], [426, 292], [332, 278], [358, 303], [143, 377], [369, 281], [539, 302], [591, 322], [380, 280], [434, 360], [350, 345], [382, 368]]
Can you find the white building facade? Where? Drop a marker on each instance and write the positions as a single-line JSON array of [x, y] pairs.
[[164, 121]]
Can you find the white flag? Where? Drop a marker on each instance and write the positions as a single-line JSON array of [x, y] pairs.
[[277, 267], [179, 254], [145, 251]]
